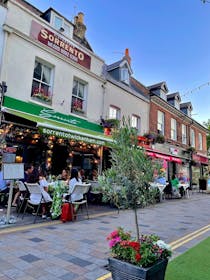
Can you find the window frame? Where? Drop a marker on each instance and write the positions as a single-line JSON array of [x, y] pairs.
[[192, 137], [161, 122], [173, 129], [184, 134], [138, 122], [83, 99], [124, 75], [200, 141], [115, 109], [39, 93], [63, 24]]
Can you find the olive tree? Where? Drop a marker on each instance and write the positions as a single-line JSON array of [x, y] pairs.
[[126, 183]]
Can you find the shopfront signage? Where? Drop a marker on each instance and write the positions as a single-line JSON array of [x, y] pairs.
[[173, 151], [70, 135], [164, 157], [200, 158], [58, 44]]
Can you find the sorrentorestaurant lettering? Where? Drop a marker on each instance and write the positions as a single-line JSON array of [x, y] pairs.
[[61, 43], [68, 135]]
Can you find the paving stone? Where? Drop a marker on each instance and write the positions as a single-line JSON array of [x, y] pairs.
[[29, 258]]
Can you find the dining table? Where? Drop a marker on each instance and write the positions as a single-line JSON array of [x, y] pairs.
[[186, 189], [160, 187]]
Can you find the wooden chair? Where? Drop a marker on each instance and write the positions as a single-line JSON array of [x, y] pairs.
[[34, 189], [80, 190]]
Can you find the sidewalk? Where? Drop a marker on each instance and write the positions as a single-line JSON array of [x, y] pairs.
[[79, 250]]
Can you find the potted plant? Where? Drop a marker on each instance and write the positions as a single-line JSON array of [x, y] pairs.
[[109, 125], [132, 170], [132, 259]]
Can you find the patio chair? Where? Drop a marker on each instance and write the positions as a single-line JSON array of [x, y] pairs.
[[34, 189], [82, 191], [24, 195]]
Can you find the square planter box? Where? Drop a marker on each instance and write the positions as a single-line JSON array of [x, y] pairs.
[[125, 271]]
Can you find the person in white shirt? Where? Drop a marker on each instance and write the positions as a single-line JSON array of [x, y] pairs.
[[37, 197], [74, 179]]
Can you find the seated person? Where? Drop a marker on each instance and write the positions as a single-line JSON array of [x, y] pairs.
[[4, 190], [74, 179], [46, 197], [175, 186], [160, 180]]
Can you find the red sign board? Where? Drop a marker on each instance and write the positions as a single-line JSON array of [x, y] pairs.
[[58, 44], [201, 159]]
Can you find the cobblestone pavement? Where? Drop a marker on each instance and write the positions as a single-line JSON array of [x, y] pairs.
[[79, 250]]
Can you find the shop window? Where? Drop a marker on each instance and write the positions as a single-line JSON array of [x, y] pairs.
[[42, 82], [184, 134], [160, 122], [79, 93], [114, 113], [135, 122], [200, 141], [173, 130]]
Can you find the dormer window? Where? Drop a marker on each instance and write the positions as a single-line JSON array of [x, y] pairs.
[[124, 75], [176, 104], [62, 26]]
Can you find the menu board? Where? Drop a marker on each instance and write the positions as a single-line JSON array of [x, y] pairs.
[[13, 171]]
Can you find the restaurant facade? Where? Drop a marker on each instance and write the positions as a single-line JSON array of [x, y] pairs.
[[60, 95]]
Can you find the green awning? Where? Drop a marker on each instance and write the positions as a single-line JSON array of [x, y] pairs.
[[61, 125]]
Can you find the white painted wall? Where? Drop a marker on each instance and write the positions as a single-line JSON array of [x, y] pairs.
[[19, 65], [3, 12], [128, 104]]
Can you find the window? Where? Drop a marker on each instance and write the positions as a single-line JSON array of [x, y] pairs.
[[192, 137], [61, 25], [124, 75], [78, 103], [173, 130], [200, 141], [135, 122], [184, 134], [114, 113], [42, 81], [176, 104], [160, 122]]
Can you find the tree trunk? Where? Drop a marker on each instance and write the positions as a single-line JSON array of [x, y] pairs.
[[136, 223]]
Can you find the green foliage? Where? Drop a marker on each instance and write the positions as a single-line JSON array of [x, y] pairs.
[[126, 183], [145, 252]]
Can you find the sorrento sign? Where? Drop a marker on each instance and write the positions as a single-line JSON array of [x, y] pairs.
[[60, 45]]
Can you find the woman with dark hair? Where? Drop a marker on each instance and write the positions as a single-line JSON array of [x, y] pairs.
[[74, 179]]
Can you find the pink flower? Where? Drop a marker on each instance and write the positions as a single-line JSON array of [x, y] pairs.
[[114, 241]]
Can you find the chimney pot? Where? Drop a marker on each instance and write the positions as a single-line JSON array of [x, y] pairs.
[[80, 17], [127, 56]]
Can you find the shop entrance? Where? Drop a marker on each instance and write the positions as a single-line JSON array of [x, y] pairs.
[[59, 157]]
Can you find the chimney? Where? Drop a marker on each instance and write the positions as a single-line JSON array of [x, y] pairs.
[[127, 56], [80, 28]]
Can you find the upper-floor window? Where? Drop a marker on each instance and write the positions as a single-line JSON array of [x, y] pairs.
[[161, 122], [192, 137], [124, 75], [173, 130], [114, 113], [200, 141], [135, 122], [79, 97], [184, 134], [42, 82], [60, 24], [176, 104]]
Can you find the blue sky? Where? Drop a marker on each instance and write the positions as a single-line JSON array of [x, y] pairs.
[[168, 40]]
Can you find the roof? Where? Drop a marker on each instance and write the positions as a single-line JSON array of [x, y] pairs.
[[161, 85], [173, 95], [186, 105]]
